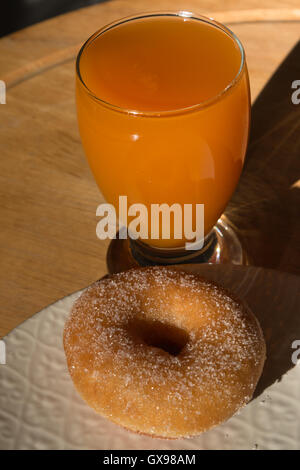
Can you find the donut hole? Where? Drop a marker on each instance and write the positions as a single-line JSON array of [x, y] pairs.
[[169, 338]]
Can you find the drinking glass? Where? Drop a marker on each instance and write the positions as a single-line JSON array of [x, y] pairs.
[[178, 147]]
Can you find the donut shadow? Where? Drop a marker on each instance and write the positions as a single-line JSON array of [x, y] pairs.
[[274, 298], [159, 335]]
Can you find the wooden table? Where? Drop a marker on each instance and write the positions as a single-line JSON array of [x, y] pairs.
[[48, 196]]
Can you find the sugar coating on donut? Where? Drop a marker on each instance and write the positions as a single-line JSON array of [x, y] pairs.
[[162, 351]]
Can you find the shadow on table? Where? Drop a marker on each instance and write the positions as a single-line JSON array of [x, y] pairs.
[[265, 206], [21, 13]]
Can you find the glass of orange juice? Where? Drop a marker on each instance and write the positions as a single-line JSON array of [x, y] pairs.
[[163, 108]]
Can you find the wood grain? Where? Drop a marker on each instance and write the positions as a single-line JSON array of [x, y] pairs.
[[48, 197]]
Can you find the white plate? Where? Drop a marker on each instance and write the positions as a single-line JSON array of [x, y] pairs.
[[40, 409]]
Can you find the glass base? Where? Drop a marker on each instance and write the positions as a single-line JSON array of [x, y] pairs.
[[221, 246]]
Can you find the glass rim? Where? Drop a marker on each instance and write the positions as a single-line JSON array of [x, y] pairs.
[[181, 110]]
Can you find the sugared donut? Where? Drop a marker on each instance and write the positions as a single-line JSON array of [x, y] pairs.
[[163, 352]]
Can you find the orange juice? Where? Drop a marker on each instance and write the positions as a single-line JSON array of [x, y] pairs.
[[163, 112]]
